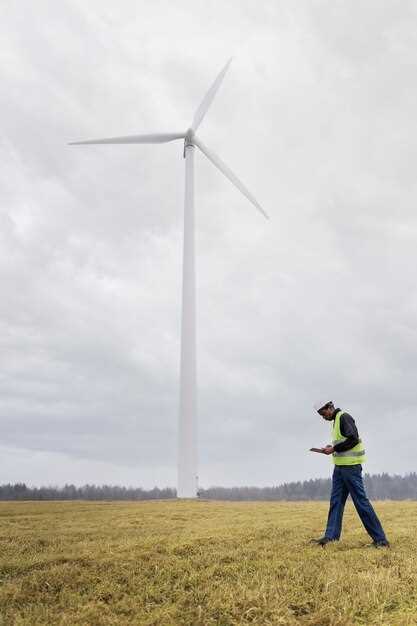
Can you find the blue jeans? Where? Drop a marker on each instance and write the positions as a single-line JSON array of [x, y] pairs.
[[347, 479]]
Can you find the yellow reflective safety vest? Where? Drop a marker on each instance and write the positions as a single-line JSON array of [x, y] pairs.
[[354, 456]]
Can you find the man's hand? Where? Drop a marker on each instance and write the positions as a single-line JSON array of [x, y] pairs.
[[328, 449]]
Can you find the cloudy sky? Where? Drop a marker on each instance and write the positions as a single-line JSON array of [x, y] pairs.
[[317, 117]]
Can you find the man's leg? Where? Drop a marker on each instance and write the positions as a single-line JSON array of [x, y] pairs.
[[354, 482], [337, 505]]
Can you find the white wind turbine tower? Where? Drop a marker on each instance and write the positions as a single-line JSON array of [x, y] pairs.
[[187, 431]]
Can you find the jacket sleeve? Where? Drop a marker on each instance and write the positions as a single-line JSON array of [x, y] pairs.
[[348, 429]]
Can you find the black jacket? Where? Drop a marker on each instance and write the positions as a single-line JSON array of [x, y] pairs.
[[348, 429]]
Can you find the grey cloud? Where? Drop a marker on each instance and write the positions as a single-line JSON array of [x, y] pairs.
[[317, 116]]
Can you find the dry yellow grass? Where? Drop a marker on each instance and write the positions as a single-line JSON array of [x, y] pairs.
[[202, 563]]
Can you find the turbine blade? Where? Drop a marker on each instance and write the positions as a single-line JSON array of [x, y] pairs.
[[229, 174], [208, 98], [153, 138]]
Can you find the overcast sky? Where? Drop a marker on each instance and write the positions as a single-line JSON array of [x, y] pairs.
[[317, 116]]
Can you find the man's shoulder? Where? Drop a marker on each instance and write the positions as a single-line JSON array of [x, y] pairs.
[[346, 414], [348, 425], [342, 414]]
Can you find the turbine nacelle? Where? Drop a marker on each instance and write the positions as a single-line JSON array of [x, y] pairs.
[[189, 140]]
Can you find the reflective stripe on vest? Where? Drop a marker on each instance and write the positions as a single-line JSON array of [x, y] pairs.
[[350, 452], [355, 456]]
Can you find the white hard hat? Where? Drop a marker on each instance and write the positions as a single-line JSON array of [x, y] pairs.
[[320, 404]]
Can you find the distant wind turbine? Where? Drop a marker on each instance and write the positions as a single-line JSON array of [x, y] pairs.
[[187, 431]]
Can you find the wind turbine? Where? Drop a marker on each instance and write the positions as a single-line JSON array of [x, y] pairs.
[[187, 431]]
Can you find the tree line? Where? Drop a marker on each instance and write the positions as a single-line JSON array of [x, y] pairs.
[[378, 486]]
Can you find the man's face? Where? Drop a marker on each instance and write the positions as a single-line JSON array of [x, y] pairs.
[[327, 412]]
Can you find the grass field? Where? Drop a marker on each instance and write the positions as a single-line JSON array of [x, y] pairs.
[[202, 563]]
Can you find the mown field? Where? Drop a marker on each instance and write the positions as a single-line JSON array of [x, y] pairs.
[[202, 563]]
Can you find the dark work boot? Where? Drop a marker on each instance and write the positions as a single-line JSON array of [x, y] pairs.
[[322, 541]]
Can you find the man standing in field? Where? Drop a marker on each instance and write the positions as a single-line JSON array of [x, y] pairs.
[[348, 455]]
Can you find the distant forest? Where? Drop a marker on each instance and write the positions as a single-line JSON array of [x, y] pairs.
[[379, 487]]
